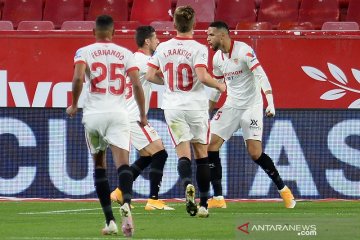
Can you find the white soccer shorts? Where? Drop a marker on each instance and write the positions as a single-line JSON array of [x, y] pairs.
[[228, 120], [188, 125], [142, 136], [104, 129]]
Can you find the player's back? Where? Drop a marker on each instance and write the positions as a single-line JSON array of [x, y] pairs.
[[177, 58], [141, 61], [107, 64]]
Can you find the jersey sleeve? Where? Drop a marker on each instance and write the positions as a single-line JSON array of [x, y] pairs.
[[131, 64], [250, 58], [80, 56], [154, 61], [201, 57], [217, 73]]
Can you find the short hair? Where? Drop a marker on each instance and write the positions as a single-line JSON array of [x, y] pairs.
[[142, 33], [220, 25], [104, 22], [184, 17]]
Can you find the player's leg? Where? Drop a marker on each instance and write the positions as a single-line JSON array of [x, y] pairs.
[[179, 131], [97, 147], [224, 123], [252, 126], [117, 134], [199, 124]]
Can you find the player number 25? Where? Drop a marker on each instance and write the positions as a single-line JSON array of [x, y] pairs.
[[114, 79], [179, 80]]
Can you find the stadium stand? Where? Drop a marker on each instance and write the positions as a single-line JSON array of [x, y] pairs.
[[22, 10], [204, 10], [276, 11], [126, 25], [78, 25], [295, 26], [340, 26], [117, 9], [318, 12], [234, 11], [147, 11], [36, 25], [353, 11], [6, 25], [59, 11], [163, 25], [202, 25], [254, 26]]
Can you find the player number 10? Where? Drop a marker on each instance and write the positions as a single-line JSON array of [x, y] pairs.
[[179, 81]]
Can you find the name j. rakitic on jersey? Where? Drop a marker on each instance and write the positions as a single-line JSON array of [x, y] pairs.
[[177, 51]]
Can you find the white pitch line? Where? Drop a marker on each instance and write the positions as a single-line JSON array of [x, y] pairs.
[[61, 211]]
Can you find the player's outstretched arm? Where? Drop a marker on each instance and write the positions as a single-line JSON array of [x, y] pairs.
[[207, 80], [153, 75], [138, 95], [260, 76], [77, 85]]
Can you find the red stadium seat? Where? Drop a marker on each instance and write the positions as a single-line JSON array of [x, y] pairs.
[[163, 25], [353, 13], [117, 9], [319, 11], [254, 26], [204, 10], [6, 25], [340, 26], [59, 11], [202, 25], [276, 11], [147, 11], [36, 25], [295, 26], [234, 11], [78, 25], [22, 10], [126, 25]]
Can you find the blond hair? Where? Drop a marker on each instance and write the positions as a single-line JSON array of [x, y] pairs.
[[184, 18]]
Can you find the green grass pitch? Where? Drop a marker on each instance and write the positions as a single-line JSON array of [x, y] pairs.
[[28, 220]]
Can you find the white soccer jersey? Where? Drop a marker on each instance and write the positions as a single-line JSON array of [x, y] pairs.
[[106, 68], [177, 58], [243, 91], [141, 61]]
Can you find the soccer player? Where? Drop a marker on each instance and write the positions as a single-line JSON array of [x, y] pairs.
[[104, 65], [236, 63], [144, 138], [183, 62]]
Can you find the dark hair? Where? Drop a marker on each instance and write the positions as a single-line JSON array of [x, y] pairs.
[[104, 22], [220, 25], [142, 33], [184, 17]]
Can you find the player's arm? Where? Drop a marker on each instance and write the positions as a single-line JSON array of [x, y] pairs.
[[77, 85], [138, 95], [154, 75], [260, 76], [207, 80]]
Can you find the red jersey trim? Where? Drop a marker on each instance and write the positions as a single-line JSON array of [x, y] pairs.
[[153, 66], [208, 134], [183, 38], [80, 61], [231, 48], [104, 41], [218, 77], [140, 51], [172, 137], [132, 69], [255, 66], [200, 65]]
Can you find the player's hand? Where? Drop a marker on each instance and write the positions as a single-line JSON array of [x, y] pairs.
[[143, 121], [71, 111], [270, 111], [222, 87]]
